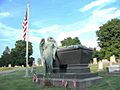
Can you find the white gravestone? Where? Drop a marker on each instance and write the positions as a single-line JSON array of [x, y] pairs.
[[33, 69], [112, 59], [9, 65], [105, 62], [16, 66], [111, 63], [94, 60], [100, 65]]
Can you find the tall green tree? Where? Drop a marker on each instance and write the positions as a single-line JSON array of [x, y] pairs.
[[109, 38], [18, 53], [5, 58], [69, 41]]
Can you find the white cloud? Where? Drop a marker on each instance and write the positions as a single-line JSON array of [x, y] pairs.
[[104, 12], [8, 36], [89, 42], [48, 29], [103, 15], [91, 24], [34, 39], [95, 3], [4, 14], [10, 33]]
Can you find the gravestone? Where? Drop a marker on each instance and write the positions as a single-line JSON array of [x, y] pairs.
[[33, 69], [71, 66], [94, 60], [100, 65], [114, 68], [112, 59], [105, 62], [9, 65], [16, 66]]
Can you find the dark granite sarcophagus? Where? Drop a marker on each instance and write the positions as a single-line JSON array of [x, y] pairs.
[[76, 54], [68, 59]]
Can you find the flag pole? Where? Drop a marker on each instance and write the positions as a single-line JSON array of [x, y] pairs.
[[27, 39]]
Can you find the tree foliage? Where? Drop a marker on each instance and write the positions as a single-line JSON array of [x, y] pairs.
[[97, 54], [5, 58], [17, 56], [69, 41], [109, 38]]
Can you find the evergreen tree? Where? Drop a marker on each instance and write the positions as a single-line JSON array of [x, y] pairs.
[[18, 54], [5, 58]]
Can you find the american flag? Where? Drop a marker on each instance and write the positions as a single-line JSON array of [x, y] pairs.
[[64, 83], [25, 25], [74, 83], [35, 79]]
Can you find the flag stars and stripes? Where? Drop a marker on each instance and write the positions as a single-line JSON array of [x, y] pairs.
[[24, 26]]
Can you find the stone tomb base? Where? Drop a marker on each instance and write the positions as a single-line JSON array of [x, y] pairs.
[[76, 77], [81, 84]]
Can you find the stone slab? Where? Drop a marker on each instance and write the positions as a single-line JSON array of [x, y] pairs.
[[113, 68], [70, 75], [72, 70], [80, 84]]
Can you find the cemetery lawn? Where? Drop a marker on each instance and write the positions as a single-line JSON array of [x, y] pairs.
[[17, 81], [109, 82]]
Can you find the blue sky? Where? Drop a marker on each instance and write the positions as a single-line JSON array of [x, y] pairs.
[[57, 18]]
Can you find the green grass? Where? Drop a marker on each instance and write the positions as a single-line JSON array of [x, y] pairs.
[[94, 68], [17, 81], [108, 82]]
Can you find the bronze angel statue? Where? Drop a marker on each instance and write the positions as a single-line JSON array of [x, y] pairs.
[[48, 51]]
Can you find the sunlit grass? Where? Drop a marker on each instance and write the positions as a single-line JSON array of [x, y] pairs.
[[108, 82], [6, 68], [93, 68], [17, 81]]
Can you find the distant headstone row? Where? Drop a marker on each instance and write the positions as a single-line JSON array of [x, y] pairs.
[[109, 63]]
